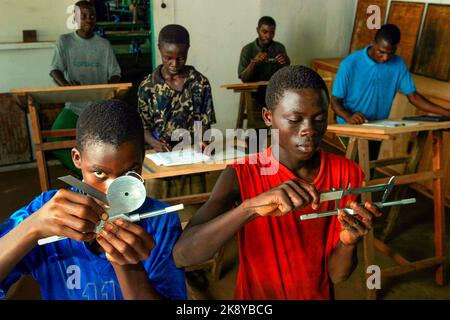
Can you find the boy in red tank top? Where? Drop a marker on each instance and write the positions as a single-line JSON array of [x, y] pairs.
[[280, 256]]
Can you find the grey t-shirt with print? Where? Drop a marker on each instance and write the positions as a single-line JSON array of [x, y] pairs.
[[88, 61]]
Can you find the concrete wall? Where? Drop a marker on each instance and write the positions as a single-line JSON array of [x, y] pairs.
[[22, 65], [219, 29]]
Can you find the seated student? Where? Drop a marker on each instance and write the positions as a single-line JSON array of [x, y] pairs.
[[280, 256], [125, 260], [261, 58], [175, 95], [368, 80], [81, 58]]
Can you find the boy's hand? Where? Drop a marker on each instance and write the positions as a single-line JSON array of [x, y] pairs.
[[281, 58], [354, 227], [260, 58], [125, 242], [69, 214], [159, 145], [287, 197], [357, 118]]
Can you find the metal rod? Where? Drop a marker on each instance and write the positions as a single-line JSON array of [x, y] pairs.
[[351, 211]]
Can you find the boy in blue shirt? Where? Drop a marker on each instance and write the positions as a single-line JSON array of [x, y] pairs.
[[368, 80], [124, 260]]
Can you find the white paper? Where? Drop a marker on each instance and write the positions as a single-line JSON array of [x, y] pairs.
[[390, 124], [188, 156]]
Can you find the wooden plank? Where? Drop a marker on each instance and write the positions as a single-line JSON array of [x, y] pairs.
[[40, 155], [362, 36], [433, 52], [410, 178], [401, 193], [56, 145], [368, 246], [245, 86], [414, 266], [408, 17], [353, 129], [61, 133], [352, 149], [439, 214], [388, 251], [14, 140], [189, 200], [387, 162], [54, 95]]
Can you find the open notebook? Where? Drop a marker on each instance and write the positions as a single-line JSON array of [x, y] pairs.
[[189, 156]]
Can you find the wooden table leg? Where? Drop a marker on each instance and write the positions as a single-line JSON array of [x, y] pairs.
[[439, 214], [351, 150], [241, 112], [368, 242], [37, 139], [411, 167]]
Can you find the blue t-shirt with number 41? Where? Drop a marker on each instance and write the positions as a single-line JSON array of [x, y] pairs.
[[68, 270]]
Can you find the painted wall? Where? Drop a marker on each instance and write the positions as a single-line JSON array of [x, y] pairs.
[[219, 29], [24, 67]]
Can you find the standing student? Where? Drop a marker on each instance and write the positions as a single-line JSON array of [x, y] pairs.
[[81, 58], [261, 58], [125, 260], [280, 256]]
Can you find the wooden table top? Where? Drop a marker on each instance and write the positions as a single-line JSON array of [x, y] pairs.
[[151, 171], [72, 93], [246, 86], [376, 131]]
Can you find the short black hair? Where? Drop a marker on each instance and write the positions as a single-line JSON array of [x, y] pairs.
[[84, 3], [292, 77], [174, 33], [110, 121], [266, 20], [389, 33]]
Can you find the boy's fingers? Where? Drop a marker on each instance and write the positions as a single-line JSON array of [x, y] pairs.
[[122, 247], [362, 212], [137, 230], [312, 194], [112, 254], [75, 235], [356, 226], [373, 209], [299, 197], [132, 240]]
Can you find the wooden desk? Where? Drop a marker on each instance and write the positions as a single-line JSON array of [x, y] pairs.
[[36, 99], [436, 91], [360, 135], [151, 171], [246, 103]]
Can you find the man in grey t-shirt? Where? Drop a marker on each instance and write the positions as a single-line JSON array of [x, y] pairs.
[[81, 58]]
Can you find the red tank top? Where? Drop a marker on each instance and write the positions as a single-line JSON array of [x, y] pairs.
[[284, 257]]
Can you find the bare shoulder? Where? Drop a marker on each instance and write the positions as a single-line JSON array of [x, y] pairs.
[[224, 196]]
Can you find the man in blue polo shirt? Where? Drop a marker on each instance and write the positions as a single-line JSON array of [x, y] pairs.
[[368, 80]]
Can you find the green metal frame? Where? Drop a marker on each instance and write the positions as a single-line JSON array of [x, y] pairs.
[[152, 36]]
